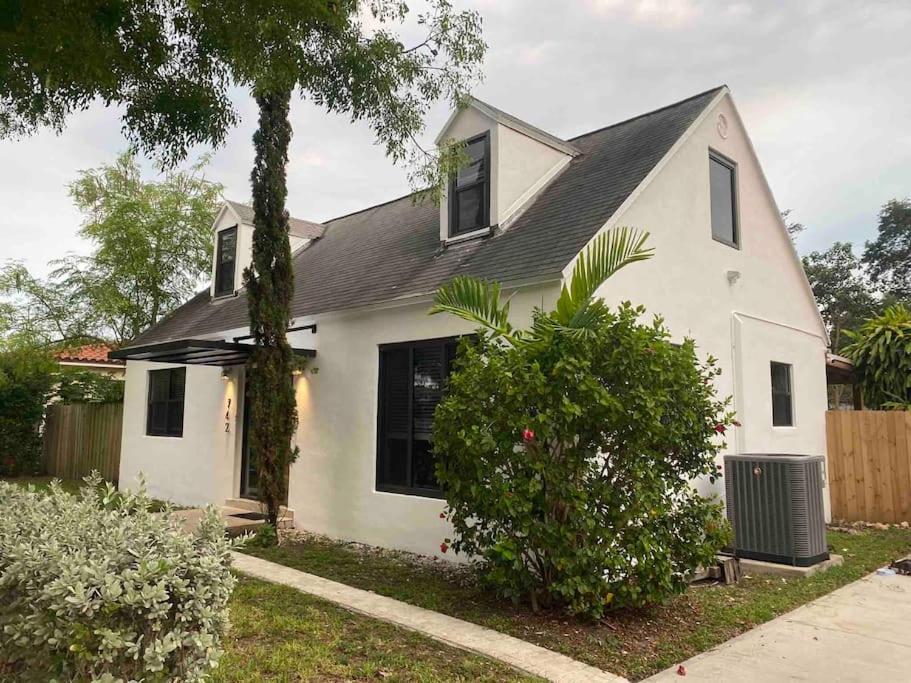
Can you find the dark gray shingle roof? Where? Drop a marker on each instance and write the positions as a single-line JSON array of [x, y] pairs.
[[296, 226], [393, 250]]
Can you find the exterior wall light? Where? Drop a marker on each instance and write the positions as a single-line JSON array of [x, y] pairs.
[[225, 375]]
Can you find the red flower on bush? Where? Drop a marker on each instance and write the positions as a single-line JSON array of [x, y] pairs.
[[528, 435], [442, 515], [735, 423], [443, 548], [720, 428]]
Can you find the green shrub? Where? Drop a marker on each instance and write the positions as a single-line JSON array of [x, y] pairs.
[[85, 386], [265, 536], [98, 587], [26, 385], [566, 459], [881, 352]]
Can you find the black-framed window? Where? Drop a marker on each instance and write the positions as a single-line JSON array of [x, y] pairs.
[[225, 261], [782, 395], [469, 191], [166, 394], [412, 380], [723, 190]]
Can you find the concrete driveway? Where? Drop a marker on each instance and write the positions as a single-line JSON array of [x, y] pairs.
[[861, 632]]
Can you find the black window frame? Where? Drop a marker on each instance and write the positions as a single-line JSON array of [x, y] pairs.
[[730, 165], [789, 394], [449, 346], [454, 190], [172, 431], [220, 286]]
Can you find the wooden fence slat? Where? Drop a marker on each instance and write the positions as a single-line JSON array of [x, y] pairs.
[[80, 438], [869, 461]]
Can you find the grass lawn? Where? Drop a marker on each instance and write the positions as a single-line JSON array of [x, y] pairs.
[[280, 634], [632, 643], [43, 483]]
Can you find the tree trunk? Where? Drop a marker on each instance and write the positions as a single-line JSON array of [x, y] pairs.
[[270, 286]]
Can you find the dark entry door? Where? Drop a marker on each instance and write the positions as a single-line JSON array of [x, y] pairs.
[[249, 472]]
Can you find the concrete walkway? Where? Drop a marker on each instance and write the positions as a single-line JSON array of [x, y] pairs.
[[462, 634], [861, 632]]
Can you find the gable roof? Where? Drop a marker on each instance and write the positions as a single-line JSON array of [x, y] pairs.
[[517, 125], [296, 226], [392, 251]]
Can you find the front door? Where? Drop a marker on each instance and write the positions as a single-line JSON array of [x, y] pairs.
[[249, 474]]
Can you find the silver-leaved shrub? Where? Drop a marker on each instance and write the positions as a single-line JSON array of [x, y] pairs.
[[99, 587]]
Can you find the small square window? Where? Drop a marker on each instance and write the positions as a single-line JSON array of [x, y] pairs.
[[723, 192], [782, 395]]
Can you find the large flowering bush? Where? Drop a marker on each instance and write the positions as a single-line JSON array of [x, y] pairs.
[[99, 587], [566, 458]]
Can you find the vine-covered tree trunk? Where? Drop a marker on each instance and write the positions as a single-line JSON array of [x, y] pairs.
[[270, 285]]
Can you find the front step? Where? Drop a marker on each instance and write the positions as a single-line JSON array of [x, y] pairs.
[[286, 515]]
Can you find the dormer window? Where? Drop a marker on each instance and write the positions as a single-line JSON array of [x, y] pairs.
[[469, 192], [225, 261]]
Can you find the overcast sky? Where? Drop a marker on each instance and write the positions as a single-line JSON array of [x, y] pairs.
[[823, 88]]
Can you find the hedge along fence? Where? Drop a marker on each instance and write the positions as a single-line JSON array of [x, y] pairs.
[[83, 437]]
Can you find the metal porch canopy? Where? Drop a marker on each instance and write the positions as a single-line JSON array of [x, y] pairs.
[[195, 352]]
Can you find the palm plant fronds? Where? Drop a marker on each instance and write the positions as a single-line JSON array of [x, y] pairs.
[[607, 253], [477, 301]]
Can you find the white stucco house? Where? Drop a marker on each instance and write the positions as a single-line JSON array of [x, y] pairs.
[[724, 272]]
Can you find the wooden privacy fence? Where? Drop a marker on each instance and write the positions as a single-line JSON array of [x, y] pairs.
[[869, 465], [82, 437]]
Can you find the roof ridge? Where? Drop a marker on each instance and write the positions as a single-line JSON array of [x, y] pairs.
[[375, 206], [581, 135], [649, 113]]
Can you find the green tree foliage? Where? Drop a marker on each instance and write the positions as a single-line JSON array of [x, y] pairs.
[[842, 291], [888, 257], [58, 57], [84, 386], [881, 352], [324, 51], [42, 312], [270, 286], [566, 451], [171, 63], [152, 246], [27, 378]]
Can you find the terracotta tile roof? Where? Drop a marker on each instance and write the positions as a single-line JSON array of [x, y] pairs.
[[90, 353]]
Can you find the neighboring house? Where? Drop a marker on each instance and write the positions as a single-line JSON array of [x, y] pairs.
[[724, 272], [92, 358]]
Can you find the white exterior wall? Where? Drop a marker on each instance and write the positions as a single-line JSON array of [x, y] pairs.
[[767, 314], [520, 165], [194, 469], [244, 257], [333, 484]]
